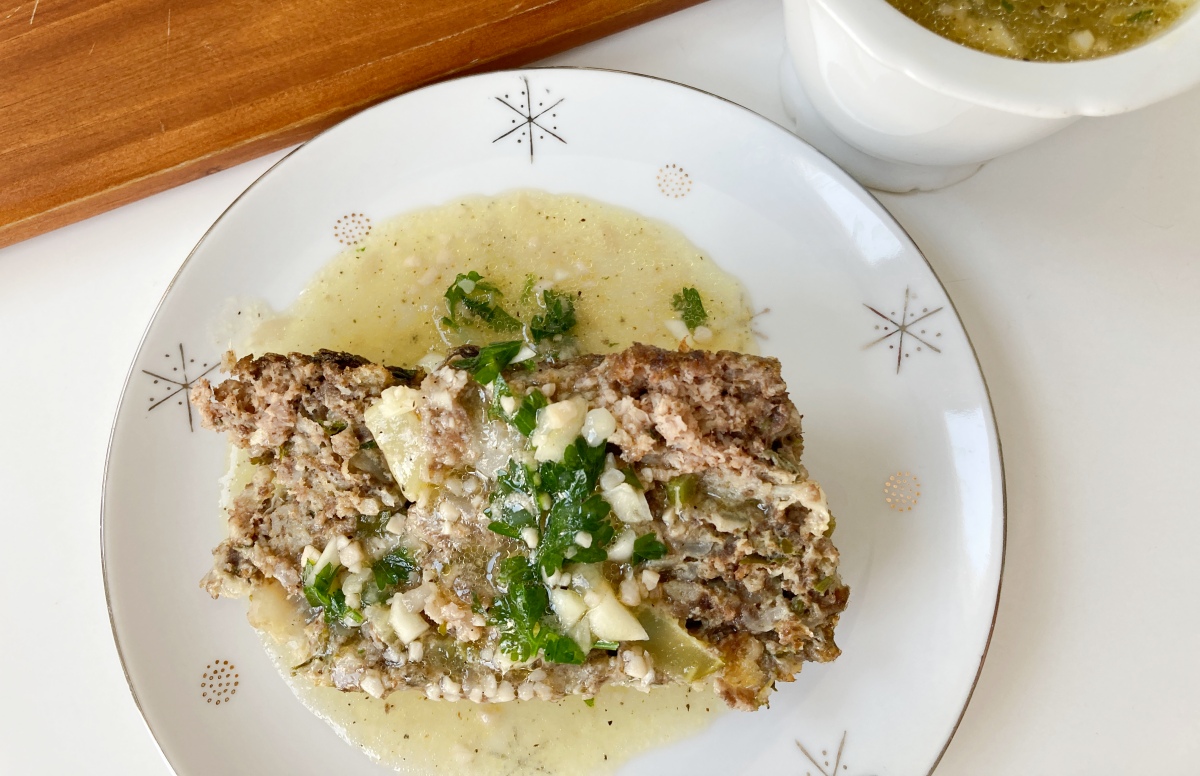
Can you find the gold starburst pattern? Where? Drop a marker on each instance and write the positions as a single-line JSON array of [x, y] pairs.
[[901, 491], [352, 228], [673, 181], [219, 682]]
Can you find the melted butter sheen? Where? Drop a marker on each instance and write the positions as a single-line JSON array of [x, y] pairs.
[[1046, 30], [384, 299]]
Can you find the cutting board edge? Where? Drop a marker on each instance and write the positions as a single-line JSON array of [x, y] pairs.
[[121, 193]]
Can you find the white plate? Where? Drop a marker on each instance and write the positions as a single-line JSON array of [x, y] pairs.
[[898, 425]]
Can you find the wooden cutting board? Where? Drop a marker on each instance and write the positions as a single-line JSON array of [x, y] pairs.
[[106, 101]]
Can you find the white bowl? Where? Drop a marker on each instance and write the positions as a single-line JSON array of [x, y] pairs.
[[901, 107]]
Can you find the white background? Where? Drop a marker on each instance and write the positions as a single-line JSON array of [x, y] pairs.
[[1075, 265]]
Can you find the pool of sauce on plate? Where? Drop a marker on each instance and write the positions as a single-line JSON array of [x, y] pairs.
[[383, 299], [412, 734]]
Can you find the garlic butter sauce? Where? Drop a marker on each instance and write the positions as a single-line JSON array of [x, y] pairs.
[[383, 299]]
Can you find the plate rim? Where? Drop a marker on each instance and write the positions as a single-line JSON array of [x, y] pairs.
[[847, 181]]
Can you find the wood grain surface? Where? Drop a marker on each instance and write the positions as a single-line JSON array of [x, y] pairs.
[[106, 101]]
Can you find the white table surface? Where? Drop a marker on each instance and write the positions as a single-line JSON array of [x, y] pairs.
[[1075, 265]]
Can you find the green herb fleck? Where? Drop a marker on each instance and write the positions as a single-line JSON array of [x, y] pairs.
[[525, 418], [559, 317], [478, 298], [1007, 6], [515, 478], [823, 584], [606, 645], [508, 520], [647, 547], [370, 444], [631, 477], [574, 508], [560, 649], [491, 360], [509, 516], [567, 518], [589, 702], [580, 458], [394, 568], [690, 308], [337, 611], [319, 594], [500, 389], [1141, 16], [335, 427], [317, 586], [518, 612]]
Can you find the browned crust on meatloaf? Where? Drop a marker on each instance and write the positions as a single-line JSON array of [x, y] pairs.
[[747, 569]]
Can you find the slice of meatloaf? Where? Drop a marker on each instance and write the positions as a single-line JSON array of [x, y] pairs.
[[635, 519]]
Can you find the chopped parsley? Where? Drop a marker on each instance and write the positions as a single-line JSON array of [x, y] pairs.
[[525, 418], [394, 569], [337, 611], [518, 615], [690, 308], [508, 516], [1141, 16], [567, 517], [574, 508], [370, 444], [478, 298], [320, 595], [561, 649], [565, 503], [515, 478], [579, 457], [500, 389], [490, 361], [647, 547], [317, 586], [559, 317], [508, 519]]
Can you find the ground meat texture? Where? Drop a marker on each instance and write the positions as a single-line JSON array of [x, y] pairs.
[[749, 574]]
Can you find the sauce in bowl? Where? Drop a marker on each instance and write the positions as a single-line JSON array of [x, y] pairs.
[[1046, 30]]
